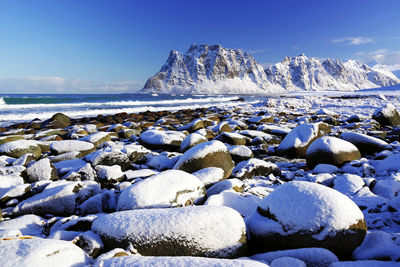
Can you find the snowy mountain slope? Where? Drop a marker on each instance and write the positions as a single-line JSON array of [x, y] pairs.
[[210, 69], [216, 70], [303, 73]]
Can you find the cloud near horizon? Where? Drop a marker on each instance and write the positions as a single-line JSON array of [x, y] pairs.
[[58, 85], [390, 58], [353, 40]]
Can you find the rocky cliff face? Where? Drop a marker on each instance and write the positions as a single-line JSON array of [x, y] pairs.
[[303, 73], [210, 69], [214, 69]]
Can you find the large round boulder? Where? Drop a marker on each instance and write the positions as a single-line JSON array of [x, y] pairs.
[[18, 148], [167, 189], [366, 144], [297, 141], [388, 115], [331, 150], [302, 214], [205, 231], [207, 154], [165, 140]]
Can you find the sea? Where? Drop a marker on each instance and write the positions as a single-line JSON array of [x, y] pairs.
[[15, 108]]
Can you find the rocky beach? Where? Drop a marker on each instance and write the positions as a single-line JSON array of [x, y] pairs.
[[297, 180]]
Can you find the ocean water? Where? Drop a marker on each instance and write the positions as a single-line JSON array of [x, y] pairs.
[[24, 108]]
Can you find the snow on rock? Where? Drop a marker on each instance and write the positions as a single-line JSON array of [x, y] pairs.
[[240, 153], [348, 184], [40, 252], [234, 184], [65, 146], [331, 150], [388, 115], [177, 261], [210, 175], [161, 161], [166, 140], [41, 170], [387, 188], [303, 214], [378, 245], [366, 144], [109, 158], [170, 188], [109, 174], [313, 257], [245, 205], [207, 154], [287, 262], [97, 138], [189, 231], [191, 140], [254, 167], [296, 142], [135, 174], [58, 198], [389, 164], [16, 149], [89, 242], [106, 201], [365, 263], [325, 168], [29, 224], [231, 138], [10, 180]]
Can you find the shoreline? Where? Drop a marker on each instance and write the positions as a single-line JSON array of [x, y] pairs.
[[71, 176]]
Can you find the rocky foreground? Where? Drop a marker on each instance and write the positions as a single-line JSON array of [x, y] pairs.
[[215, 187]]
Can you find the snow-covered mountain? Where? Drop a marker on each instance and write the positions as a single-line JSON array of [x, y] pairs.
[[214, 69], [210, 69], [303, 73]]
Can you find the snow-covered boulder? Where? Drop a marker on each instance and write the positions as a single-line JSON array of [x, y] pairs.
[[191, 140], [254, 167], [106, 201], [18, 148], [388, 115], [97, 138], [207, 154], [109, 174], [313, 257], [109, 158], [348, 184], [41, 170], [210, 175], [240, 153], [234, 185], [29, 224], [245, 205], [189, 231], [297, 141], [288, 261], [170, 188], [165, 140], [232, 138], [302, 214], [40, 252], [89, 242], [378, 245], [193, 126], [331, 150], [389, 164], [65, 146], [58, 198], [366, 144], [177, 261], [387, 188]]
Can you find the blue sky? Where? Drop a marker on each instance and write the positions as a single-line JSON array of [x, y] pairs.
[[114, 46]]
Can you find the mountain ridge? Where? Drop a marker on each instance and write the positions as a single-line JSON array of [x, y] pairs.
[[215, 69]]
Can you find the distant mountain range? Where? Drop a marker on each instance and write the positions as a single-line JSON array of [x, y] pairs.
[[214, 69]]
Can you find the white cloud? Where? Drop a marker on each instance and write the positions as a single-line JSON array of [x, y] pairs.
[[57, 85], [353, 40], [389, 58], [256, 51]]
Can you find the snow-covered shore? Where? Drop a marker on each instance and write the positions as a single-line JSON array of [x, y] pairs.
[[300, 180]]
